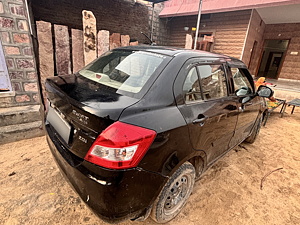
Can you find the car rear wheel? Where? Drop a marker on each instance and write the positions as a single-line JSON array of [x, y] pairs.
[[174, 194], [255, 132]]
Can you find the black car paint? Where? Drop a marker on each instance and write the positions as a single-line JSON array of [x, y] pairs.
[[249, 112], [160, 107], [125, 195], [219, 116]]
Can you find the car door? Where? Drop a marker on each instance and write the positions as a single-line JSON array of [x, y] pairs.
[[210, 113], [249, 106]]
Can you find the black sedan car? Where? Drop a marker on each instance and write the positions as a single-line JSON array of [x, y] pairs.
[[134, 129]]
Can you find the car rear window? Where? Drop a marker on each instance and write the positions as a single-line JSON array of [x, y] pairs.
[[123, 70]]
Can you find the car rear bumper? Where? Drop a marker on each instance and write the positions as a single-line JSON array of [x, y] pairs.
[[112, 194]]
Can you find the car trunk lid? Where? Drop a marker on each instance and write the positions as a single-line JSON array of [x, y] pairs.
[[80, 110]]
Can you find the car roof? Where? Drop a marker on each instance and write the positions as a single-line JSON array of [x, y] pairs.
[[174, 51]]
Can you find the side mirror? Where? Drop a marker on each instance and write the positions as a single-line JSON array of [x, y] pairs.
[[264, 91], [245, 99], [243, 91]]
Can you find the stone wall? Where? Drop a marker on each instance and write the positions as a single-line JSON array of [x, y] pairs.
[[229, 30], [18, 51], [291, 66], [117, 16]]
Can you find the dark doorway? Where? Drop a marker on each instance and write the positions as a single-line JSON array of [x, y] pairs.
[[272, 58]]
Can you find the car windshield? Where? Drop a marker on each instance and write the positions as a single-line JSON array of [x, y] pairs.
[[123, 70]]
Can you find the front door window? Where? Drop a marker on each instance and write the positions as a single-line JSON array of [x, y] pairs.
[[240, 80]]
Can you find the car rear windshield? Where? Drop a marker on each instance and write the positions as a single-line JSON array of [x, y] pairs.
[[123, 70]]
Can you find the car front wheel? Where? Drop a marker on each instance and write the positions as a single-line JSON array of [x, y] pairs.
[[174, 194], [255, 132]]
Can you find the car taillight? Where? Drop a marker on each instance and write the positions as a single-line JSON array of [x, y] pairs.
[[120, 146]]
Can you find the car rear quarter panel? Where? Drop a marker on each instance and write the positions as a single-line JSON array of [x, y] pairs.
[[125, 194]]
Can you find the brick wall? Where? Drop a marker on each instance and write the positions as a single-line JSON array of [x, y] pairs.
[[18, 51], [291, 66], [160, 28], [255, 34], [229, 29], [117, 16]]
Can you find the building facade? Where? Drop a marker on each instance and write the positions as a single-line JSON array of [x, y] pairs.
[[18, 78], [262, 33]]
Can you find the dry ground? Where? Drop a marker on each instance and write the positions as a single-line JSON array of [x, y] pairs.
[[32, 191]]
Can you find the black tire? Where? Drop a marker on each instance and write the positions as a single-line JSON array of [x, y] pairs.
[[251, 139], [174, 194]]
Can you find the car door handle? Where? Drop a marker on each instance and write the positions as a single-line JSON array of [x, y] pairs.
[[201, 119]]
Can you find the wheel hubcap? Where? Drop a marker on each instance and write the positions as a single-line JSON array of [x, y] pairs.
[[176, 195]]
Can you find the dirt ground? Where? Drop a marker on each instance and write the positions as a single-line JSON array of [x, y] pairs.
[[32, 191]]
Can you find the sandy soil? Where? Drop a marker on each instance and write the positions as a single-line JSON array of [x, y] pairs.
[[32, 191]]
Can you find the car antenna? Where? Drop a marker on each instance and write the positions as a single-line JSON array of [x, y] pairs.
[[152, 42]]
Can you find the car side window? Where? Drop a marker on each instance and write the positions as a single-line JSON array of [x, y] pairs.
[[191, 87], [213, 81], [240, 80]]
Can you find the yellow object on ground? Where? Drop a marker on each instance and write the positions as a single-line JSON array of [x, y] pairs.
[[272, 104]]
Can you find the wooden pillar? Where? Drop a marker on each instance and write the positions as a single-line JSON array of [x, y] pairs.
[[103, 42], [89, 36], [62, 50], [134, 43], [114, 41], [45, 50], [188, 41], [125, 40], [77, 50]]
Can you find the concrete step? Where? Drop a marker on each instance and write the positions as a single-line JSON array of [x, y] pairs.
[[21, 131], [19, 115]]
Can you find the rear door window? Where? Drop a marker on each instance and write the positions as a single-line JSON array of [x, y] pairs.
[[191, 87], [205, 82], [213, 81]]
